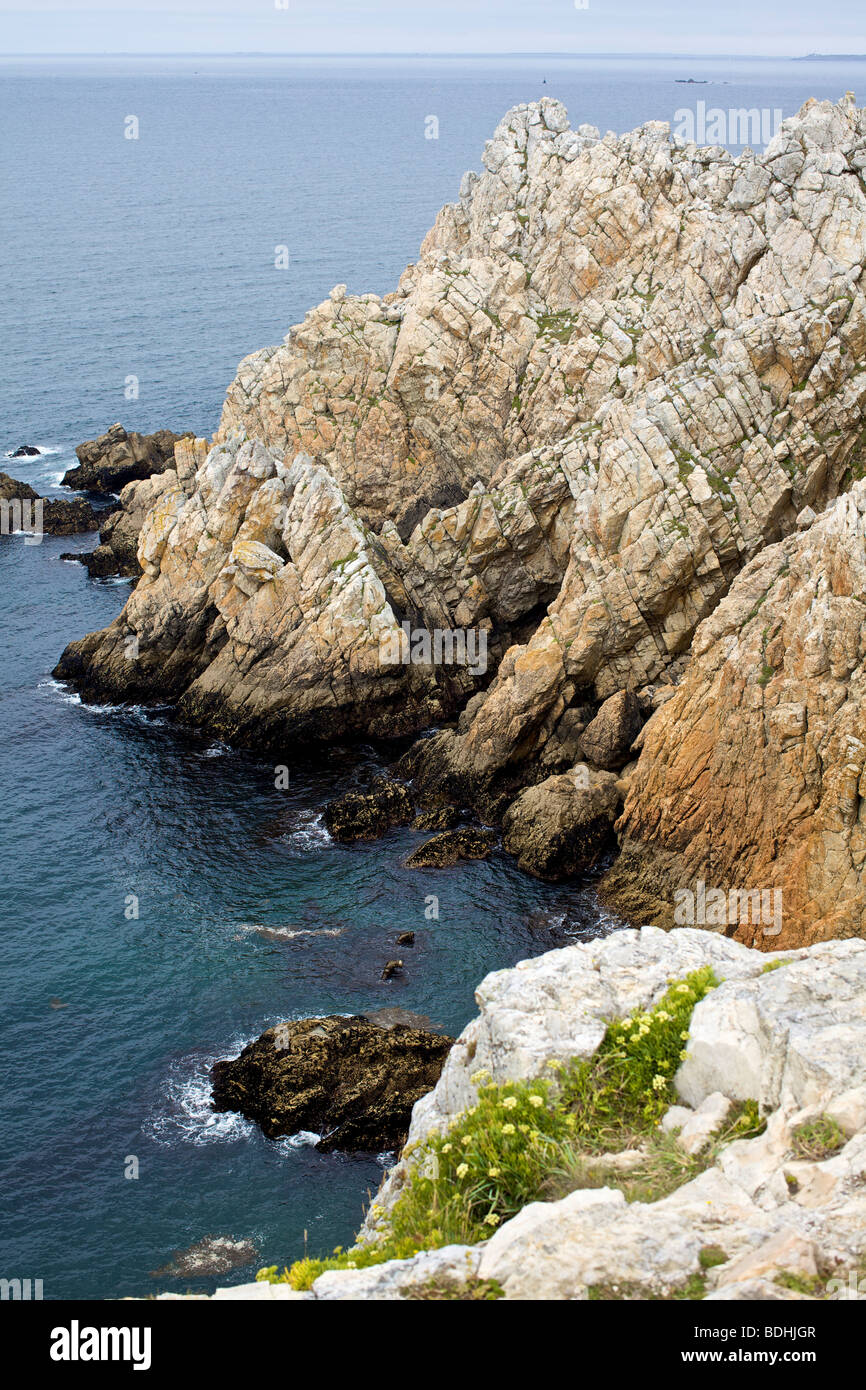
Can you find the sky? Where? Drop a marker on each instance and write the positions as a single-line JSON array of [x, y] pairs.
[[746, 27]]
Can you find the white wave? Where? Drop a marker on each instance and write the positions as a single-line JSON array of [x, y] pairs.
[[216, 750], [187, 1115], [305, 1138], [308, 835], [45, 451], [289, 933]]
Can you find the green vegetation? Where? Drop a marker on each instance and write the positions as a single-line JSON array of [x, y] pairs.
[[560, 325], [711, 1255], [694, 1288], [523, 1139], [818, 1138], [474, 1289]]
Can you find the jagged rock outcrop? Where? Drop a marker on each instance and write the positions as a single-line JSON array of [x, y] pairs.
[[263, 611], [117, 552], [619, 370], [116, 458], [753, 776], [346, 1079]]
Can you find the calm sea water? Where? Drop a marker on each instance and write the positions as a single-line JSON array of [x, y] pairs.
[[155, 258]]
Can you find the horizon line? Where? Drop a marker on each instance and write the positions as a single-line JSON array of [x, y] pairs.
[[515, 53]]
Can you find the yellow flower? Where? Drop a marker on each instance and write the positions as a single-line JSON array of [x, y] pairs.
[[491, 1219], [524, 1129], [509, 1102], [493, 1172], [659, 1083], [685, 1035], [508, 1129], [462, 1170], [446, 1148], [466, 1140], [535, 1101]]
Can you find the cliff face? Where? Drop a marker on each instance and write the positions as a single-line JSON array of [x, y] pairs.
[[754, 772], [620, 370]]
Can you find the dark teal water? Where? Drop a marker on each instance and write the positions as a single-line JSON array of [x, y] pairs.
[[156, 258]]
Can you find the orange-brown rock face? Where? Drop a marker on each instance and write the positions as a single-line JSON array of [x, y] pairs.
[[753, 776]]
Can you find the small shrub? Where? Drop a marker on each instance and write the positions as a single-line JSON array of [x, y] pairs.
[[485, 1290], [817, 1139], [711, 1255]]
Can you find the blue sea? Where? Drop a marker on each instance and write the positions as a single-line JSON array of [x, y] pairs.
[[162, 902]]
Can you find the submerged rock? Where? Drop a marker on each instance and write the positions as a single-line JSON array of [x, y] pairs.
[[368, 815], [209, 1257], [347, 1079], [448, 849], [25, 451]]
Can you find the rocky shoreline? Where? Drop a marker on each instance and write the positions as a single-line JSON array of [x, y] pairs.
[[580, 509], [611, 422]]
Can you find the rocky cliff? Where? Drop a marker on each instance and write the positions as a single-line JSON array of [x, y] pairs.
[[620, 371], [748, 1186]]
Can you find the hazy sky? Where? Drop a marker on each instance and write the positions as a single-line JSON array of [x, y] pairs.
[[783, 27]]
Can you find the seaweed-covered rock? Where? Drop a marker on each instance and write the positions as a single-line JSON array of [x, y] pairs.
[[346, 1079], [60, 517], [367, 815], [452, 846]]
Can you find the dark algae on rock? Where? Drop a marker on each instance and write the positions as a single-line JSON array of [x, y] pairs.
[[349, 1080]]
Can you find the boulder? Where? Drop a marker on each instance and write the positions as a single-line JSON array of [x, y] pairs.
[[368, 815], [607, 739], [346, 1079], [560, 827], [445, 850]]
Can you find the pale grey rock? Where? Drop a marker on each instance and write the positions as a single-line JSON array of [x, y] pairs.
[[795, 1036], [455, 1264], [698, 1130]]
